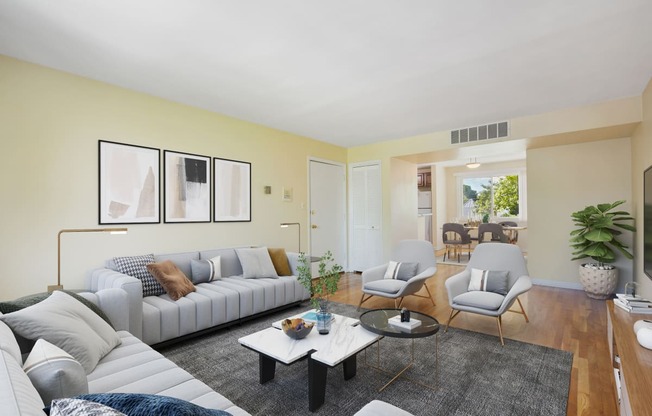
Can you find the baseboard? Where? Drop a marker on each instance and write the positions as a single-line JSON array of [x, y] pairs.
[[557, 283]]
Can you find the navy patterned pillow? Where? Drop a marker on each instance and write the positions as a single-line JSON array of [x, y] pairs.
[[136, 266], [134, 404]]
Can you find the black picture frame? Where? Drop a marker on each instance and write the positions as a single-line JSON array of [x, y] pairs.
[[231, 190], [187, 187], [128, 183]]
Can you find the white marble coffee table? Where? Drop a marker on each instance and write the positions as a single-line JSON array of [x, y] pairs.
[[341, 345]]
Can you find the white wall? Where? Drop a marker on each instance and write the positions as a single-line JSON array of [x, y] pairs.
[[565, 179], [403, 187]]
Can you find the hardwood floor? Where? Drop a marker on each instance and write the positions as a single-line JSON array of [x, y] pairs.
[[559, 318]]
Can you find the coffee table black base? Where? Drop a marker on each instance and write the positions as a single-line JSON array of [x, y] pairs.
[[317, 373]]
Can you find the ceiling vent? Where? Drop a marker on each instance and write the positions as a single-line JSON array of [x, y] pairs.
[[479, 133]]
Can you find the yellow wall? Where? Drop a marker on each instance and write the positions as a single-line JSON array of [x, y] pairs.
[[641, 160], [50, 123], [565, 179]]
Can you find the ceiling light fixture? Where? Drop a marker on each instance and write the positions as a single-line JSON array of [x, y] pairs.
[[473, 163]]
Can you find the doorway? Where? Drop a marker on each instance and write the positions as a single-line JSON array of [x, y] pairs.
[[327, 211]]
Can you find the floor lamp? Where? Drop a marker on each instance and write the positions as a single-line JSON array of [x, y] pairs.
[[59, 286], [287, 224]]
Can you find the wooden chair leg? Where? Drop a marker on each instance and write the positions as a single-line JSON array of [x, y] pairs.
[[429, 295], [398, 302], [500, 330], [362, 299], [522, 310], [450, 318]]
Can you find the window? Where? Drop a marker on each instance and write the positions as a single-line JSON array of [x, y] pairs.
[[497, 195]]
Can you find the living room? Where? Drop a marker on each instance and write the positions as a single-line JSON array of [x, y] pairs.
[[51, 120]]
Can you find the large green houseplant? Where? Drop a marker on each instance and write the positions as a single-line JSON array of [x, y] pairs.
[[597, 237], [321, 287]]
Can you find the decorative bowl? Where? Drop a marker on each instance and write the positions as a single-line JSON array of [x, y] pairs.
[[296, 328]]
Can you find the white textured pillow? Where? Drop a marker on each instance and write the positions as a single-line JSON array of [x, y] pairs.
[[54, 372], [67, 323], [80, 407], [256, 262]]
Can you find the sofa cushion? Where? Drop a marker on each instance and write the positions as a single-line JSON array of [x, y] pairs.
[[17, 394], [54, 373], [175, 283], [136, 266], [280, 261], [204, 271], [8, 342], [256, 262], [67, 323], [79, 407], [135, 404]]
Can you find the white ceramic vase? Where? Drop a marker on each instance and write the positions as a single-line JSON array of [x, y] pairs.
[[598, 283]]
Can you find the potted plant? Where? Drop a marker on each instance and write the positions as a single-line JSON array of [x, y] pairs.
[[321, 287], [597, 237]]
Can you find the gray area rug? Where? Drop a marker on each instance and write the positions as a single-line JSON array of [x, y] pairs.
[[476, 375]]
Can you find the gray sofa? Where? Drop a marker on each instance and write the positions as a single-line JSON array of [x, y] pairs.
[[157, 319], [131, 367]]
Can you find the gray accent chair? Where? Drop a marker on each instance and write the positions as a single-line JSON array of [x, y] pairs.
[[496, 257], [412, 251]]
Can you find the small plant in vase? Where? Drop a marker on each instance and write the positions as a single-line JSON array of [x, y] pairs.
[[321, 287]]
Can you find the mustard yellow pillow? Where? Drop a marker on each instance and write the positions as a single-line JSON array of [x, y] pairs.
[[280, 261]]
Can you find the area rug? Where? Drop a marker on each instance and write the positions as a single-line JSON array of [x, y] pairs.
[[476, 375], [464, 259]]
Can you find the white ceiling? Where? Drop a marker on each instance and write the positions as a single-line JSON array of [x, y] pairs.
[[342, 71]]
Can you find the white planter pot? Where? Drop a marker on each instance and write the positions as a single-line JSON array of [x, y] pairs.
[[598, 284]]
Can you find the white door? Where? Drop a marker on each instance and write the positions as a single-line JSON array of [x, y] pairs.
[[365, 194], [328, 210]]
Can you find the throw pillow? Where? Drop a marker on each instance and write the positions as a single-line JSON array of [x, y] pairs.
[[256, 262], [280, 261], [79, 407], [401, 271], [136, 266], [54, 373], [67, 323], [175, 283], [488, 281], [135, 404], [204, 271], [20, 303]]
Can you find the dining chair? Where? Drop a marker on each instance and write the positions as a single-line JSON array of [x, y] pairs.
[[455, 237], [497, 233], [512, 235]]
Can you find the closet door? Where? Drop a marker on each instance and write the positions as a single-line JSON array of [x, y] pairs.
[[365, 194]]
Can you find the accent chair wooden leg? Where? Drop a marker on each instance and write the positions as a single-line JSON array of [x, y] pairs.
[[429, 294], [362, 299], [398, 302], [522, 310], [500, 330], [450, 318]]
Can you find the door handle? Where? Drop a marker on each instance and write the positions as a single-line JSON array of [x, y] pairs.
[[314, 226]]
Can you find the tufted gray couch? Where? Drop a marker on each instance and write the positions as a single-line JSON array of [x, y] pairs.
[[132, 367], [157, 319]]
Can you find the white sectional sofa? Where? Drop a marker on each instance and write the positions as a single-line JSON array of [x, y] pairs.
[[232, 298], [131, 367]]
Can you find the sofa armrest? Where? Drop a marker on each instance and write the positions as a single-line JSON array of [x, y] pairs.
[[293, 259], [104, 278], [114, 303]]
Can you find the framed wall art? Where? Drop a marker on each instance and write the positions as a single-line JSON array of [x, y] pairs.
[[129, 184], [232, 190], [187, 180]]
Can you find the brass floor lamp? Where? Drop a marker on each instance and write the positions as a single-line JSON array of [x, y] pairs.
[[59, 286]]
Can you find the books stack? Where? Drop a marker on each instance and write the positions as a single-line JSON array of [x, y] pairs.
[[633, 304], [410, 325]]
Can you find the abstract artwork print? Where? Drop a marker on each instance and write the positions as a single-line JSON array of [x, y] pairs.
[[232, 196], [187, 187]]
